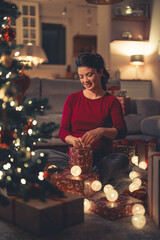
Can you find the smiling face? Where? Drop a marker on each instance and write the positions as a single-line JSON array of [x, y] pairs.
[[90, 78]]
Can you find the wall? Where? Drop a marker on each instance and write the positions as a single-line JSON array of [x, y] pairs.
[[116, 54], [121, 51]]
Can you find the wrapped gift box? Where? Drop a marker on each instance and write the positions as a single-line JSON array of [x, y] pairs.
[[44, 217], [77, 185], [125, 103], [154, 187], [113, 210], [81, 157]]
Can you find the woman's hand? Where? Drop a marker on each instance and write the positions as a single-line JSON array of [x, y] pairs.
[[92, 136], [76, 142]]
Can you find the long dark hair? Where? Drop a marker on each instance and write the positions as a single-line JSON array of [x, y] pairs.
[[93, 61]]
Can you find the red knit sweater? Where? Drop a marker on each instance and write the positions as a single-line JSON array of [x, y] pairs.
[[81, 114]]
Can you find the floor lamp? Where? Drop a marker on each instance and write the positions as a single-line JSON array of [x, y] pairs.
[[137, 60]]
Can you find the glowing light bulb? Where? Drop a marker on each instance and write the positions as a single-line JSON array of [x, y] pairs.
[[30, 131], [138, 209], [86, 204], [76, 171], [134, 160], [23, 181], [112, 195], [137, 181], [138, 220], [41, 154], [133, 186], [143, 165], [133, 174], [96, 185], [34, 122], [107, 187]]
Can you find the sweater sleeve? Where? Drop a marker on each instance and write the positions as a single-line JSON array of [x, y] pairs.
[[65, 127], [118, 119]]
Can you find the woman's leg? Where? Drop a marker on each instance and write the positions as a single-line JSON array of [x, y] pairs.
[[60, 159], [112, 166]]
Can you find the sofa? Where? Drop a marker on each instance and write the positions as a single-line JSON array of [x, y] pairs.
[[143, 118]]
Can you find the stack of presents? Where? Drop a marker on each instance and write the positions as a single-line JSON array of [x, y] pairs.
[[57, 213]]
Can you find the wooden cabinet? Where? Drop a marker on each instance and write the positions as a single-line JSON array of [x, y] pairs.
[[83, 44], [137, 88]]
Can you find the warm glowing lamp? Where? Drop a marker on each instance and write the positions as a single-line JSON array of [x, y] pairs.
[[137, 181], [137, 60], [30, 54], [103, 2]]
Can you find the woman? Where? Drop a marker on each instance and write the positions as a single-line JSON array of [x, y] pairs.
[[93, 117]]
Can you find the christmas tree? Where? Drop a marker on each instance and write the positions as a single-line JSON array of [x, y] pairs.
[[20, 173]]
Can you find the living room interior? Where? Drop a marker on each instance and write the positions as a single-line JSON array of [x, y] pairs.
[[109, 30]]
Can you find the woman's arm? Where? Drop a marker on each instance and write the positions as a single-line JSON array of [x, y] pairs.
[[95, 134]]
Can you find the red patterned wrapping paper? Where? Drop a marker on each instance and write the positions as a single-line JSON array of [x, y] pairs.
[[76, 185], [154, 187], [81, 157], [114, 210], [125, 103]]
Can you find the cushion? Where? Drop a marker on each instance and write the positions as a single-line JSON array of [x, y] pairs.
[[151, 126], [56, 102], [148, 107], [133, 122]]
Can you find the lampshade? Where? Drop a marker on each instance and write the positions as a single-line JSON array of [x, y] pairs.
[[103, 2], [137, 60], [31, 54]]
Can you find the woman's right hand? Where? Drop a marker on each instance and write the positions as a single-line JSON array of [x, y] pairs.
[[76, 142]]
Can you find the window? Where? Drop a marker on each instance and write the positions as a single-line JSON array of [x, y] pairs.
[[27, 25], [53, 43]]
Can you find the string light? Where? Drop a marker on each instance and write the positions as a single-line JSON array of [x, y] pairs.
[[96, 185], [33, 153], [133, 174], [30, 131], [143, 165], [112, 195], [86, 204], [133, 186], [137, 181], [138, 209], [134, 160], [138, 221], [76, 171], [23, 181], [42, 154], [41, 176], [34, 122], [107, 187]]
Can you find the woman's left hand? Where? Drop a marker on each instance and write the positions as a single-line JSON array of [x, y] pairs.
[[91, 136]]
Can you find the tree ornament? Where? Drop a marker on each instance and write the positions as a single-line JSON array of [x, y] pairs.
[[8, 34], [28, 126], [6, 138], [6, 60]]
